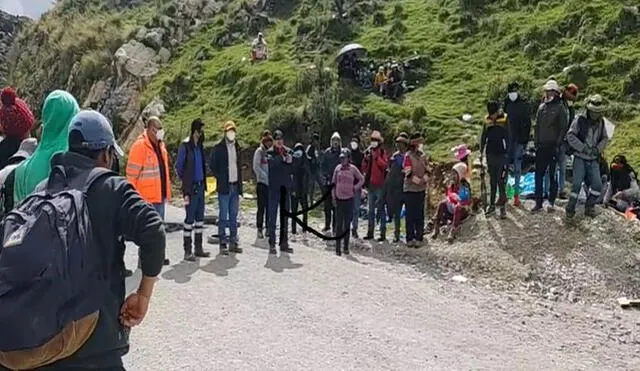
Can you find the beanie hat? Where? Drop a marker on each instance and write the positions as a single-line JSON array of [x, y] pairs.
[[571, 92], [513, 86], [16, 119], [461, 169], [335, 135], [492, 107]]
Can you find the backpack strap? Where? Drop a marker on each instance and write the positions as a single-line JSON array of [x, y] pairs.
[[95, 175]]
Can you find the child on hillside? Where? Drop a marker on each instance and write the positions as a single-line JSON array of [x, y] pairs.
[[455, 206]]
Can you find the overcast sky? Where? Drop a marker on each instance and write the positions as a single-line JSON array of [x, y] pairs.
[[30, 8]]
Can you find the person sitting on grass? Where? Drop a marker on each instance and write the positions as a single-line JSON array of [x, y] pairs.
[[455, 206], [259, 48], [623, 191]]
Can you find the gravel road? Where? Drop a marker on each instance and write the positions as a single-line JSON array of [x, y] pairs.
[[315, 311]]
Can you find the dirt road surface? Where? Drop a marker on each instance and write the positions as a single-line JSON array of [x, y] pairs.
[[315, 311]]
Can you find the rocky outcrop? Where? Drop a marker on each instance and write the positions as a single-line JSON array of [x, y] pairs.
[[10, 25]]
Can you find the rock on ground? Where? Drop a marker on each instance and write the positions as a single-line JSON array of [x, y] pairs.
[[315, 311]]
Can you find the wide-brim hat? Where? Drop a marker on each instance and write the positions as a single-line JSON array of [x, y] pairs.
[[461, 151], [552, 85], [595, 103], [375, 135], [402, 138]]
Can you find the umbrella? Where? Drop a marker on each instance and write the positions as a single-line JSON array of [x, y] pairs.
[[356, 49], [609, 127]]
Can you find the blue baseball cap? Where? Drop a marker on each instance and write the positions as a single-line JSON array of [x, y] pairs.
[[96, 131]]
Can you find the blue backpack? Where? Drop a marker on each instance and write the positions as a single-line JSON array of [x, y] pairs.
[[50, 271]]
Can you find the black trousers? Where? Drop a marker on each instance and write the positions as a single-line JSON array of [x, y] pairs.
[[263, 203], [344, 214], [415, 215], [299, 200], [546, 159], [497, 178], [329, 211], [395, 211]]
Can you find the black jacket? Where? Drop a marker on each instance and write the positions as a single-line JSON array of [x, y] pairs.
[[495, 136], [551, 124], [219, 165], [356, 158], [394, 182], [301, 170], [330, 160], [117, 213], [280, 172], [519, 121]]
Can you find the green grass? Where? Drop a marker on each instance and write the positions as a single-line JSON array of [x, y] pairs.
[[473, 49]]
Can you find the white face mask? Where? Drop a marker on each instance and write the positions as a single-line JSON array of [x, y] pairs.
[[374, 144], [421, 148], [354, 146], [160, 134], [513, 96], [231, 135], [569, 103]]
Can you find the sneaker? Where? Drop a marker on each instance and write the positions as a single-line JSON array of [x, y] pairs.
[[417, 244], [338, 252], [354, 234], [368, 237], [381, 239], [503, 212], [166, 262], [490, 210], [536, 209], [286, 249], [516, 201], [260, 235], [189, 257], [272, 250], [411, 243], [235, 248], [224, 250]]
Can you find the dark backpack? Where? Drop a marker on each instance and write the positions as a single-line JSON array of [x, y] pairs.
[[50, 273]]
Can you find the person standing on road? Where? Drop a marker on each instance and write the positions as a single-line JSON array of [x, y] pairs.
[[374, 168], [261, 169], [191, 167], [356, 159], [392, 190], [280, 160], [148, 167], [330, 159], [519, 114], [315, 162], [117, 212], [551, 123], [347, 180], [301, 172], [587, 137], [495, 140], [415, 169], [225, 167]]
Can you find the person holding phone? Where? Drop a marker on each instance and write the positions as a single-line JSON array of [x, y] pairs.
[[280, 159]]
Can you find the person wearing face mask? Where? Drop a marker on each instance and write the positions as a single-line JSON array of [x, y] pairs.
[[261, 169], [416, 180], [191, 167], [347, 181], [301, 173], [587, 137], [569, 96], [225, 167], [330, 159], [374, 168], [280, 160], [148, 167], [551, 123], [357, 157], [392, 191], [495, 140], [315, 161], [517, 109]]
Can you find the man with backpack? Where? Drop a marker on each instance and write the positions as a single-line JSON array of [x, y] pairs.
[[78, 318], [587, 137]]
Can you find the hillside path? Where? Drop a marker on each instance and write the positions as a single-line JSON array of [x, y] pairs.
[[315, 311]]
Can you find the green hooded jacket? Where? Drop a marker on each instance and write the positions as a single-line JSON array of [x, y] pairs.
[[58, 110]]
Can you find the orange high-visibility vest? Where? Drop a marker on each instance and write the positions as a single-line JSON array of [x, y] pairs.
[[143, 170]]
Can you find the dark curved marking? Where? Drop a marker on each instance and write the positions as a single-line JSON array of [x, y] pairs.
[[305, 227]]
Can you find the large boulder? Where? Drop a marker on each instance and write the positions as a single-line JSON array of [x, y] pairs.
[[154, 38], [136, 59]]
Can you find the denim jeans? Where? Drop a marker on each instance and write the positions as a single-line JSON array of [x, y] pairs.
[[376, 205], [228, 217], [357, 201], [160, 208], [587, 171], [278, 200], [194, 219], [518, 154], [561, 173]]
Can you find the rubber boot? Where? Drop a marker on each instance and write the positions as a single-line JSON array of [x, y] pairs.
[[199, 251], [188, 255], [516, 201]]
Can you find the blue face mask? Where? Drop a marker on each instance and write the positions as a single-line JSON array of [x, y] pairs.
[[298, 154]]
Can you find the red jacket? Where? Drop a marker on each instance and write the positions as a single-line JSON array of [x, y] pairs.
[[374, 167]]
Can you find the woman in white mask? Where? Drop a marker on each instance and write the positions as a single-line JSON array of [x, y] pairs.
[[356, 159]]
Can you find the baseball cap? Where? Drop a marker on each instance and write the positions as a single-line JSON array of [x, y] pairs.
[[96, 131]]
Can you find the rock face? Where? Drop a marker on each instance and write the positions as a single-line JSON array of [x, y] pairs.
[[10, 25]]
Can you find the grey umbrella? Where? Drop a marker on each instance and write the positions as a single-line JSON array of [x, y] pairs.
[[356, 49]]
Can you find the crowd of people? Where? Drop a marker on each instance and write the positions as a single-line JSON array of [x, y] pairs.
[[387, 80], [65, 190]]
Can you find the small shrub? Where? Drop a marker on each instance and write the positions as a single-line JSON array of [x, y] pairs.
[[631, 85], [418, 114], [379, 19], [397, 28]]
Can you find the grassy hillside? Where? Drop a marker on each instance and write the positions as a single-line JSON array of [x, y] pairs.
[[470, 49]]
